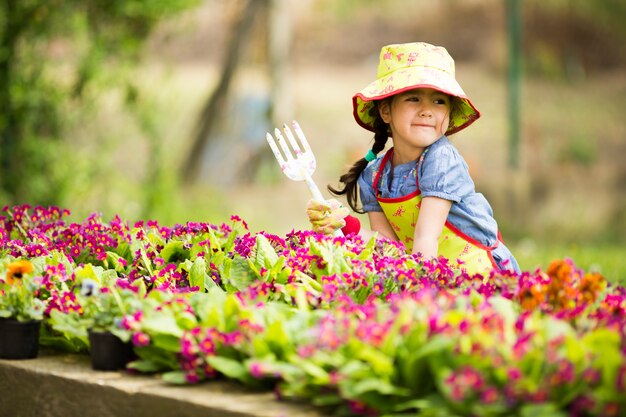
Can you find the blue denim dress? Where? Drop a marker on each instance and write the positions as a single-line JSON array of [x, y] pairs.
[[441, 172]]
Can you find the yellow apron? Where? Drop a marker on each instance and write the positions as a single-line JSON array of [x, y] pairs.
[[462, 251]]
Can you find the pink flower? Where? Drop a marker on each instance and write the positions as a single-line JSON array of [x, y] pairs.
[[140, 339], [188, 348], [192, 377], [256, 370], [490, 395]]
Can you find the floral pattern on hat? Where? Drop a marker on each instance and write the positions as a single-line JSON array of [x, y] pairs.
[[403, 67]]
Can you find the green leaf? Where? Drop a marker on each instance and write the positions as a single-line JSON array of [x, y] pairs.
[[276, 337], [238, 273], [265, 256], [230, 242], [161, 359], [114, 259], [320, 376], [144, 366], [69, 325], [161, 324], [229, 367], [541, 410], [174, 252], [197, 274], [324, 400], [186, 320], [175, 377], [89, 271], [333, 256], [380, 363], [377, 385], [64, 343], [232, 306], [166, 342], [432, 405]]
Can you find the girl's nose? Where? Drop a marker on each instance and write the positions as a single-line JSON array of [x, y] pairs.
[[425, 112]]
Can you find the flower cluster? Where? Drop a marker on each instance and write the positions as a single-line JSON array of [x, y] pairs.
[[360, 327]]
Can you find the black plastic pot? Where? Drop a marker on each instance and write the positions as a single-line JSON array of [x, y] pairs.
[[19, 339], [108, 352]]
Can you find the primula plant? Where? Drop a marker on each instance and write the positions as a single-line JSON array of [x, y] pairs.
[[20, 290], [92, 307], [356, 327]]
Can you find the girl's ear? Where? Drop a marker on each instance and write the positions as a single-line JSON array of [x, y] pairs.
[[384, 109]]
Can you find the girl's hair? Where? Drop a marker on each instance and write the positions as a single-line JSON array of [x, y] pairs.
[[349, 179], [381, 135]]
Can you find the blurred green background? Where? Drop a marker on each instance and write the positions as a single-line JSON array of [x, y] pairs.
[[103, 101]]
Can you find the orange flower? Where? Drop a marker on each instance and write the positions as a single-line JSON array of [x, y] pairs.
[[16, 271], [561, 271], [590, 286]]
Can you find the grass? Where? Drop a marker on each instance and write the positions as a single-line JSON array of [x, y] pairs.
[[607, 259]]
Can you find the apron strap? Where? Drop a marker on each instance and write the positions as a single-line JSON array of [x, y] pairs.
[[383, 163]]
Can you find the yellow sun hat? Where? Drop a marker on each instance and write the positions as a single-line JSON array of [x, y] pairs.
[[406, 66]]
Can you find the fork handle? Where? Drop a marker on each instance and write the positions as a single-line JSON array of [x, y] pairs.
[[315, 191], [317, 194]]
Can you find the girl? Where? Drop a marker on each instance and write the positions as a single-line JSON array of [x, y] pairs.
[[420, 191]]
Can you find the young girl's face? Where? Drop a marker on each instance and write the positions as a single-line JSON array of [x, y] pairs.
[[417, 118]]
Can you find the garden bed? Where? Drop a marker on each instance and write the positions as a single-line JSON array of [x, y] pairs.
[[352, 327]]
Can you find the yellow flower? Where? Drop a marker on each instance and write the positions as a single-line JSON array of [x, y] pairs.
[[16, 271]]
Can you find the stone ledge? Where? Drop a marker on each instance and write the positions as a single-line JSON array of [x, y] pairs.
[[61, 384]]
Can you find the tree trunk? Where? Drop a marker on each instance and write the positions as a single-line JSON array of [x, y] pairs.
[[217, 102], [279, 48]]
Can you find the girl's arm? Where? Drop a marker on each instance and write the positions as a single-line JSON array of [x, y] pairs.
[[433, 214], [378, 223]]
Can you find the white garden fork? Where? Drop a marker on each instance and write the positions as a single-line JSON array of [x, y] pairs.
[[299, 164]]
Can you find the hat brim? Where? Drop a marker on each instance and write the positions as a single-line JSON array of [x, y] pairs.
[[410, 79]]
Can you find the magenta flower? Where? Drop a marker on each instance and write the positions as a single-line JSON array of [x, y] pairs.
[[140, 339], [489, 395], [188, 348], [256, 370]]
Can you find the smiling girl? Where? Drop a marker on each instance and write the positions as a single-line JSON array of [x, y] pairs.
[[418, 192]]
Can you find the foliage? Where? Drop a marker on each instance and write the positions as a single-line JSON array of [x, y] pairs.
[[20, 291], [57, 57], [355, 327], [103, 309]]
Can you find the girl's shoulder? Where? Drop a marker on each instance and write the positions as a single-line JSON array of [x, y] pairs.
[[443, 172], [442, 153], [443, 145], [443, 156]]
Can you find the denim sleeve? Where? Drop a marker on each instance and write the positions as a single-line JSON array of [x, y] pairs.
[[366, 189], [444, 174]]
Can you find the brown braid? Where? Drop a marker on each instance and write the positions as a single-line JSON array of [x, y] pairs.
[[350, 178]]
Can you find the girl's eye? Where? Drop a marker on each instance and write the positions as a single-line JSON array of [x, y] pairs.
[[440, 101]]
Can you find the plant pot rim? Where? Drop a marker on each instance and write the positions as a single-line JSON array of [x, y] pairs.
[[92, 330], [16, 320]]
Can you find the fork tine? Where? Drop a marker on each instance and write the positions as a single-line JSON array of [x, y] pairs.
[[275, 150], [292, 140], [300, 134], [283, 145]]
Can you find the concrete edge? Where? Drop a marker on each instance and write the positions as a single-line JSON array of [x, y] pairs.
[[61, 384]]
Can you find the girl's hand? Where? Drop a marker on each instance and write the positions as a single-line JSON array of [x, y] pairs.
[[326, 216]]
